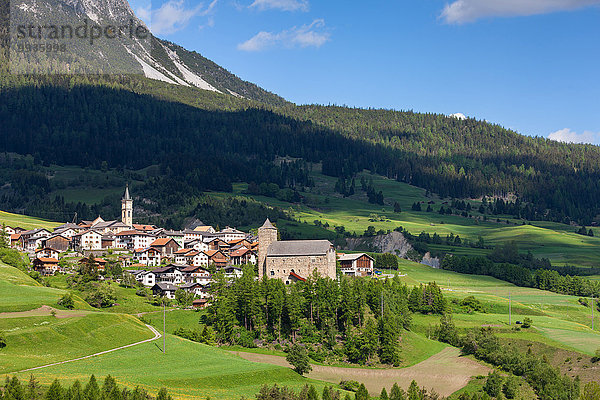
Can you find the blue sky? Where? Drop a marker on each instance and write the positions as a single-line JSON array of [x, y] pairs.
[[529, 65]]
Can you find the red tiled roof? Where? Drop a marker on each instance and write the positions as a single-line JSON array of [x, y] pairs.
[[295, 275], [183, 251], [239, 252], [160, 242]]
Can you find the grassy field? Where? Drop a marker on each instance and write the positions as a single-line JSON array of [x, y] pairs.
[[189, 370], [18, 292], [558, 242], [25, 221], [34, 341], [558, 320]]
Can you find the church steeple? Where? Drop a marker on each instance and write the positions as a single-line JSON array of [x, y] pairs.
[[127, 208]]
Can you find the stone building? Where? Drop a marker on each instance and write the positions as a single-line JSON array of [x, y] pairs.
[[295, 259]]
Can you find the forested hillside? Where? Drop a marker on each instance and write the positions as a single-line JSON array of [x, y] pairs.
[[206, 141]]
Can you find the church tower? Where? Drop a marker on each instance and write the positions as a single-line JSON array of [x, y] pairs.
[[267, 234], [127, 208]]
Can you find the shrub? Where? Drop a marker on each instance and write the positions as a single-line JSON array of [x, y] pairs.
[[493, 384], [351, 386], [527, 322], [510, 387], [2, 340], [298, 357], [67, 301]]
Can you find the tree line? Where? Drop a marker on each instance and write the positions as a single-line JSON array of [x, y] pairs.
[[356, 320], [14, 389]]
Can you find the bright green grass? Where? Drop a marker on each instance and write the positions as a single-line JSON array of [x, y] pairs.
[[35, 341], [18, 292], [415, 348], [188, 319], [188, 370], [584, 341], [130, 303], [25, 221], [559, 318]]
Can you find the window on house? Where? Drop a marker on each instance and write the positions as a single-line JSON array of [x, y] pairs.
[[272, 273]]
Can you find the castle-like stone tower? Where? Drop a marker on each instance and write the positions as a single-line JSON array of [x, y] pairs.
[[267, 234], [127, 208]]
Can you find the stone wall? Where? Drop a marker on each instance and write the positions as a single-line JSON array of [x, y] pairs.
[[301, 265]]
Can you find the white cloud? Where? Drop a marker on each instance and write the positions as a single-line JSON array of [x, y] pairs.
[[568, 136], [464, 11], [173, 16], [313, 35], [284, 5]]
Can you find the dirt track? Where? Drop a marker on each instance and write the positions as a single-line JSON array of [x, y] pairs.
[[445, 372], [44, 311]]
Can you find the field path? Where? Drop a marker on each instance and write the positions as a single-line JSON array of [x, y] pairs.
[[157, 335], [445, 372]]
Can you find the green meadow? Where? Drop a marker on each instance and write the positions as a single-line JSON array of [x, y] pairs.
[[18, 292], [188, 370], [25, 221], [40, 340], [558, 320]]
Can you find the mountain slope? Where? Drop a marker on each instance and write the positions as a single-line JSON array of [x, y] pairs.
[[124, 51]]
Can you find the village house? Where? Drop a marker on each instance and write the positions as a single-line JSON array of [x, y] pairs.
[[190, 234], [144, 228], [15, 241], [200, 303], [196, 288], [356, 264], [197, 245], [240, 243], [32, 239], [47, 252], [177, 236], [146, 278], [166, 246], [106, 227], [46, 265], [196, 274], [149, 256], [228, 234], [205, 228], [58, 242], [109, 241], [287, 260], [242, 256], [87, 240], [133, 239], [171, 274], [68, 230], [164, 289], [217, 258]]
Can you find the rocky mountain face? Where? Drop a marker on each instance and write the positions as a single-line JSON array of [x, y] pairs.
[[105, 37], [394, 243]]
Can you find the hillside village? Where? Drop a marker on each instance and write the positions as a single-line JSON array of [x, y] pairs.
[[168, 260]]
